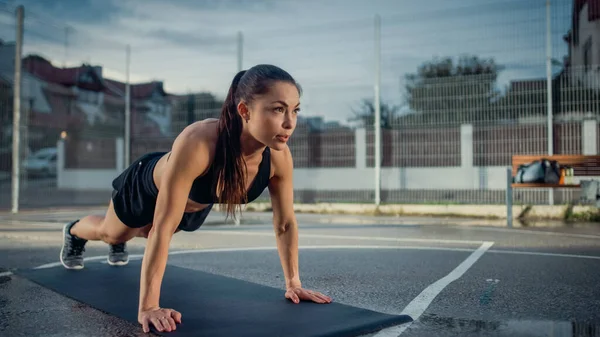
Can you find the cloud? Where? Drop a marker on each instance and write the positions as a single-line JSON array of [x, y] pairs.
[[229, 16], [73, 11], [185, 39], [229, 5]]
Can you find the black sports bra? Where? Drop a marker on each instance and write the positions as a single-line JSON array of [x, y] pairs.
[[201, 191]]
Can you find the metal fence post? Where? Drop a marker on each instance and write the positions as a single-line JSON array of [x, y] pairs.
[[377, 147], [127, 135], [549, 91], [509, 197], [240, 51], [16, 136]]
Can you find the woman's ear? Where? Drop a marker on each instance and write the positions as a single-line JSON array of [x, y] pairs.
[[243, 110]]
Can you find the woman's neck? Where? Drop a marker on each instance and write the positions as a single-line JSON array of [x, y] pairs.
[[250, 146]]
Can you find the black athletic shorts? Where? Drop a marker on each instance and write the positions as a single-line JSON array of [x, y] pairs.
[[134, 196]]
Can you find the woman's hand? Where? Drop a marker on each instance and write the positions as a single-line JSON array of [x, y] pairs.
[[297, 294], [162, 319]]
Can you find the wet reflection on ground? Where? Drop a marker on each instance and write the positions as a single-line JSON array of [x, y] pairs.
[[457, 327]]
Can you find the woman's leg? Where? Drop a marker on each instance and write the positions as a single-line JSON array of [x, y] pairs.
[[108, 229]]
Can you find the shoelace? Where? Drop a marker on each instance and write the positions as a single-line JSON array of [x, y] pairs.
[[120, 248], [76, 248]]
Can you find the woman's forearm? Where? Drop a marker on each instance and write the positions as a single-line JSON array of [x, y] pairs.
[[153, 269], [287, 245]]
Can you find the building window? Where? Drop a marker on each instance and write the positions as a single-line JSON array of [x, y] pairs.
[[86, 78], [89, 97]]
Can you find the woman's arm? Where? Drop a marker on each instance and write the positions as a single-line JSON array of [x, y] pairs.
[[188, 159], [281, 190]]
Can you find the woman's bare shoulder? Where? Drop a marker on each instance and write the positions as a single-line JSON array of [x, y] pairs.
[[205, 131], [281, 162], [195, 145], [200, 139]]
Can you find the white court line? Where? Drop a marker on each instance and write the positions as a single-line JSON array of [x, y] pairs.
[[53, 224], [531, 231], [544, 254], [343, 237], [474, 228], [244, 249], [262, 248], [420, 303]]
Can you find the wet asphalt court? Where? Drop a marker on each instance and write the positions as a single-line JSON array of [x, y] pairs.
[[452, 280]]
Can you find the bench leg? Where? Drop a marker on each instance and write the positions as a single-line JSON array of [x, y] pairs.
[[509, 197]]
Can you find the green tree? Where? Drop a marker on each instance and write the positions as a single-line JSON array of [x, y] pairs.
[[444, 91], [365, 114]]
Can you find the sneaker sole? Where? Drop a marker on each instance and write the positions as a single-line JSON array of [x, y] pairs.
[[62, 249], [119, 263]]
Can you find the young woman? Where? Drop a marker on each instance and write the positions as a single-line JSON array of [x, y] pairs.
[[226, 161]]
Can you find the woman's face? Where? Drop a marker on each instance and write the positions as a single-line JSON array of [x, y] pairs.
[[271, 118]]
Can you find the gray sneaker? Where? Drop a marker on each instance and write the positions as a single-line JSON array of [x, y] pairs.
[[118, 255], [71, 253]]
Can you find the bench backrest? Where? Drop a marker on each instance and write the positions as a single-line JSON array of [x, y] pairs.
[[583, 165]]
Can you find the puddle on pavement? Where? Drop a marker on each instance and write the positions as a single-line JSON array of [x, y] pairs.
[[4, 277], [515, 327]]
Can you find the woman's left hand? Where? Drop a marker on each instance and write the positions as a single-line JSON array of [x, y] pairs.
[[299, 294]]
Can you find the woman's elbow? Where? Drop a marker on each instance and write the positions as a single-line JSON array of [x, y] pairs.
[[282, 228], [160, 233]]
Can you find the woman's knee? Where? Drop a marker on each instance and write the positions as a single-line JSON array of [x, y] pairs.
[[114, 233], [144, 232], [113, 238]]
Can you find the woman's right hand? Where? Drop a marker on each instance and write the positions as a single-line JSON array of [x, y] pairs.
[[163, 319]]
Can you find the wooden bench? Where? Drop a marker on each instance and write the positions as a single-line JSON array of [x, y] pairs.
[[582, 165]]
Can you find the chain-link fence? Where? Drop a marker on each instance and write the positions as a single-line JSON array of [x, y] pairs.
[[461, 90]]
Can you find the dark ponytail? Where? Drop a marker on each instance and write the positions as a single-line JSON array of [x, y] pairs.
[[229, 164]]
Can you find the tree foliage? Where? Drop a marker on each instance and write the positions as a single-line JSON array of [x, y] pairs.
[[365, 114], [446, 91]]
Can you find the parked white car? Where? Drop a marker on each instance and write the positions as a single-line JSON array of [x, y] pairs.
[[41, 163]]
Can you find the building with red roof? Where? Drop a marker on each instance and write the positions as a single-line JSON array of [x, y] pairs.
[[99, 103]]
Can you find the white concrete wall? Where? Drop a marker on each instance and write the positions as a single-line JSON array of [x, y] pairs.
[[589, 136], [360, 148], [88, 179], [426, 178], [466, 145], [463, 177]]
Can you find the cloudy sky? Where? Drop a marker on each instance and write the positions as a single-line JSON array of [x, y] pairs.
[[328, 45]]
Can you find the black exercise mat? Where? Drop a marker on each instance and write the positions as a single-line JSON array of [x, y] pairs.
[[211, 305]]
